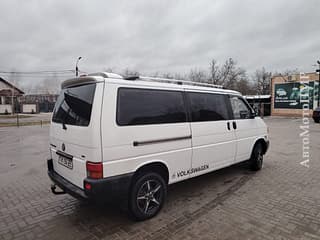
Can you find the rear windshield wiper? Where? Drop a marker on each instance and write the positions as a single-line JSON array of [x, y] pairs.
[[64, 127]]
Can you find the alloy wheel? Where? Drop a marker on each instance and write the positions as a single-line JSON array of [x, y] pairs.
[[149, 196]]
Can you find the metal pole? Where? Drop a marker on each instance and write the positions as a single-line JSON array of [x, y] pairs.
[[12, 93], [318, 84], [18, 120], [77, 69]]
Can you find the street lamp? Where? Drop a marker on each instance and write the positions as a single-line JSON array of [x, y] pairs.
[[77, 69], [318, 71]]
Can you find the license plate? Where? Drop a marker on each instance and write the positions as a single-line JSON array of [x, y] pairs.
[[67, 162]]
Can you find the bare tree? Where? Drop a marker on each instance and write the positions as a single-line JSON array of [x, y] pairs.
[[226, 72], [130, 72], [197, 75], [108, 69], [166, 75], [230, 74], [180, 76], [215, 77], [245, 87], [262, 80]]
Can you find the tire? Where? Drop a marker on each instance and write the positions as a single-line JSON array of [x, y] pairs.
[[316, 120], [147, 196], [256, 160]]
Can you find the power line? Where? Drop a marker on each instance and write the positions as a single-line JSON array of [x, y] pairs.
[[39, 75], [38, 72], [35, 74], [44, 74]]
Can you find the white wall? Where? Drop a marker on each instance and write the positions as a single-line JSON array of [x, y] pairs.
[[27, 108], [4, 107]]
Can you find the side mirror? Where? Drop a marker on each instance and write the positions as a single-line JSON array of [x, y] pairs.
[[245, 114], [253, 114]]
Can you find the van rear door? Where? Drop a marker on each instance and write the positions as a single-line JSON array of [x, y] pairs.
[[75, 129]]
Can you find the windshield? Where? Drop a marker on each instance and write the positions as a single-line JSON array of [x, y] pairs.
[[74, 105]]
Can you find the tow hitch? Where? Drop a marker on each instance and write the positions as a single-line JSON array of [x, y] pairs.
[[54, 191]]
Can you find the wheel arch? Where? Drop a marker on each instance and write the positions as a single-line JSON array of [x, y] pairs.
[[264, 144], [156, 166]]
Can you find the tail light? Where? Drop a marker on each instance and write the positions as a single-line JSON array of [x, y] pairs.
[[87, 186], [94, 170]]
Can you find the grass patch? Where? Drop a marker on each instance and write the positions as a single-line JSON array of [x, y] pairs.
[[14, 124]]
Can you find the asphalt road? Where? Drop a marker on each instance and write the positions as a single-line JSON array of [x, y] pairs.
[[282, 201]]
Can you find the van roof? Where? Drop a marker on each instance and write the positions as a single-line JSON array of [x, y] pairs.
[[148, 81]]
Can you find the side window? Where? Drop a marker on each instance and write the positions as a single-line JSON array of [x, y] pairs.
[[240, 108], [148, 106], [208, 107]]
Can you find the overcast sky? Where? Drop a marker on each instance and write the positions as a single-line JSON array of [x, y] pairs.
[[158, 36]]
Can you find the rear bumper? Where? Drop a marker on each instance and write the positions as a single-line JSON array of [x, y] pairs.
[[66, 186], [100, 189]]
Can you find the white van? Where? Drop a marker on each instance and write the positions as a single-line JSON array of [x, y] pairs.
[[113, 137]]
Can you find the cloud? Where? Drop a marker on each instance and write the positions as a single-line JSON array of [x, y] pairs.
[[158, 36]]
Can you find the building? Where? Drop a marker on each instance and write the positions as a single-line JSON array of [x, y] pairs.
[[9, 97], [260, 103], [290, 95], [43, 102]]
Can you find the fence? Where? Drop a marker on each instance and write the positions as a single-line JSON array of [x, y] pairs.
[[19, 120]]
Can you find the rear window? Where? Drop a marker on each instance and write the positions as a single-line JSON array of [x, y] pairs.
[[74, 105], [147, 106]]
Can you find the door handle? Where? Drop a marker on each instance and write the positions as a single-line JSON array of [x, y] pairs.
[[234, 124], [228, 125]]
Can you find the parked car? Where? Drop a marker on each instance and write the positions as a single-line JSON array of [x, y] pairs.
[[129, 138], [316, 115], [281, 92]]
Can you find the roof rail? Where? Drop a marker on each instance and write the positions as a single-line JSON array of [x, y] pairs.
[[175, 81], [105, 75]]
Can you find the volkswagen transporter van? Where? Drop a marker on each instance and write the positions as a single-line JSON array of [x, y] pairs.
[[115, 137]]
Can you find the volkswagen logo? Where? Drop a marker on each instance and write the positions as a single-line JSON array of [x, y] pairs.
[[63, 147]]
